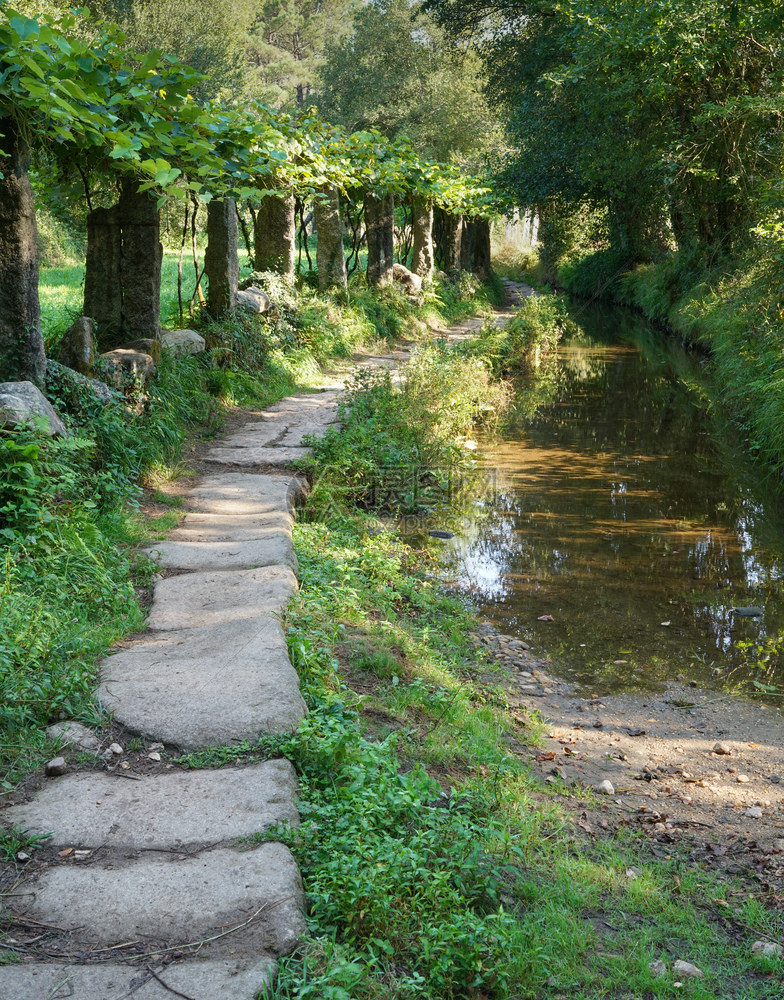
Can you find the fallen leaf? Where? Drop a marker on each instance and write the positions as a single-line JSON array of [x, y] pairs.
[[545, 618], [547, 755], [65, 853]]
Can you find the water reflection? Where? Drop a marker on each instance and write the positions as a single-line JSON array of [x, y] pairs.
[[617, 509]]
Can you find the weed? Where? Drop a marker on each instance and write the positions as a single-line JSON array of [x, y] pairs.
[[16, 840]]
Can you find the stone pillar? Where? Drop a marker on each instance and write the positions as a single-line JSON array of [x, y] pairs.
[[140, 267], [221, 261], [330, 258], [452, 230], [483, 267], [22, 357], [102, 278], [380, 229], [422, 261], [275, 235], [467, 245]]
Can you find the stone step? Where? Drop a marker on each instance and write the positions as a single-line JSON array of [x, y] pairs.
[[193, 600], [273, 548], [174, 902], [205, 686], [172, 810], [239, 493], [230, 979], [230, 528], [250, 455]]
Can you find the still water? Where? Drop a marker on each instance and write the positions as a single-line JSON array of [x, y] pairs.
[[621, 511]]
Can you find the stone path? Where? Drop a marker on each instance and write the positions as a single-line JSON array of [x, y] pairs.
[[147, 893]]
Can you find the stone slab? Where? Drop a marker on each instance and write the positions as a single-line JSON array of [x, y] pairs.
[[176, 900], [221, 980], [205, 686], [304, 401], [274, 549], [170, 810], [231, 528], [245, 493], [192, 600], [256, 455]]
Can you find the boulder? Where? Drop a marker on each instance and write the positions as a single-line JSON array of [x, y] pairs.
[[77, 349], [254, 300], [412, 282], [22, 402], [123, 361], [145, 346], [182, 342], [65, 379]]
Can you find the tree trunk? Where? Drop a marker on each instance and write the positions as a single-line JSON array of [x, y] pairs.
[[142, 256], [275, 236], [22, 357], [387, 236], [452, 232], [483, 267], [102, 277], [422, 260], [330, 259], [221, 262], [467, 245]]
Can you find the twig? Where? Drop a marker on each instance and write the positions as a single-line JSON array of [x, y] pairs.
[[166, 986]]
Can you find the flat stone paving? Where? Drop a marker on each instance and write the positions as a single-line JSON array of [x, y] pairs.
[[155, 867]]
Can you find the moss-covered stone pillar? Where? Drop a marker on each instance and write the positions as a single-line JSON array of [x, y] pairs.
[[102, 278], [483, 267], [467, 245], [275, 235], [330, 257], [140, 266], [22, 357], [452, 233], [422, 258], [221, 261]]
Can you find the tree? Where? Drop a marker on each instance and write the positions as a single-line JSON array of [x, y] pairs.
[[405, 77]]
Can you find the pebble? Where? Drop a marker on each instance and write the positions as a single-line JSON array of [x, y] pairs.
[[74, 733], [22, 856], [687, 969], [743, 779], [116, 748], [767, 948], [658, 968], [754, 812], [605, 787], [154, 756], [56, 767], [722, 748], [155, 746]]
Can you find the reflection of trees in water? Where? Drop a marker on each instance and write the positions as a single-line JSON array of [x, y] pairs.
[[618, 507]]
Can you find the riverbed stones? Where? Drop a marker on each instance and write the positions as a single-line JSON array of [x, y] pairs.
[[205, 686], [175, 809], [226, 979]]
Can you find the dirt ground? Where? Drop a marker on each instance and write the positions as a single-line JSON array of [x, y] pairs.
[[698, 769]]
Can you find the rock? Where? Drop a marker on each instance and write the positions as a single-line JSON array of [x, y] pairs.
[[754, 813], [22, 856], [22, 402], [722, 748], [154, 756], [182, 342], [66, 379], [76, 734], [412, 282], [750, 612], [254, 300], [116, 749], [123, 362], [147, 345], [687, 969], [658, 968], [605, 787], [77, 348], [56, 767], [767, 949], [743, 779], [440, 533]]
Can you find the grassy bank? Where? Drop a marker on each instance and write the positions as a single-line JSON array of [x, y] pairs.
[[435, 865], [71, 510]]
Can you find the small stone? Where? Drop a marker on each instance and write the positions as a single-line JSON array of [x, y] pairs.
[[687, 969], [767, 949], [125, 765], [658, 968], [75, 733], [754, 812], [605, 787], [743, 779], [722, 748], [155, 746], [22, 856], [116, 748], [154, 756], [56, 767]]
